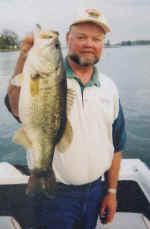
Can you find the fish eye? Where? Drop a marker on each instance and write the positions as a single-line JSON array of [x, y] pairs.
[[55, 32], [46, 36]]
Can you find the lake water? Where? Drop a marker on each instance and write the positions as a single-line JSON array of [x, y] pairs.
[[129, 67]]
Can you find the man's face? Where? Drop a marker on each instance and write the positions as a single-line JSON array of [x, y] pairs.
[[85, 43]]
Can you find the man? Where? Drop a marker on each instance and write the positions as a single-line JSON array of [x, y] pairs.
[[99, 134]]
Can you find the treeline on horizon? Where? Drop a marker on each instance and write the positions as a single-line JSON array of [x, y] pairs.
[[9, 40], [129, 43], [137, 42]]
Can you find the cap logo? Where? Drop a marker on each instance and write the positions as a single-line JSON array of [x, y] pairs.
[[93, 13]]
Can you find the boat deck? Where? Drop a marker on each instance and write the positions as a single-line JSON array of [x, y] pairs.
[[126, 221], [14, 202]]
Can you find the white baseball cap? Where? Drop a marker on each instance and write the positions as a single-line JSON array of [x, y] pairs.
[[94, 16]]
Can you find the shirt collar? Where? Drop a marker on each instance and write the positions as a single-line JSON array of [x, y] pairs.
[[70, 74]]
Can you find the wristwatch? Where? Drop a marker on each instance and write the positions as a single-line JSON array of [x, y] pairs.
[[112, 190]]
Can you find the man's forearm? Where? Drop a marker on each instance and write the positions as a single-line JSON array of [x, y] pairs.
[[20, 63], [113, 173]]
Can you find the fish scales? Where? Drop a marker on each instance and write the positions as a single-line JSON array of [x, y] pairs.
[[43, 108], [50, 109]]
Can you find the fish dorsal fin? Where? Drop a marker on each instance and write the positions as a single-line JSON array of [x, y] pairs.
[[67, 136], [70, 99], [66, 139], [17, 80]]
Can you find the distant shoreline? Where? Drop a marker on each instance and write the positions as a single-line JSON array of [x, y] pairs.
[[105, 46], [127, 43], [9, 50], [123, 46]]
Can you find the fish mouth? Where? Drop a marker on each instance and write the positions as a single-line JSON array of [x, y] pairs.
[[57, 45], [54, 43]]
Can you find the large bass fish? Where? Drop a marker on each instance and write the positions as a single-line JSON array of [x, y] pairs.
[[43, 108]]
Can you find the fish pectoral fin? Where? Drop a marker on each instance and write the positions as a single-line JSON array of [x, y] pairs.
[[66, 139], [70, 99], [17, 80], [22, 139]]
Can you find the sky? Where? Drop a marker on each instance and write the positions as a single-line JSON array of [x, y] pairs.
[[128, 19]]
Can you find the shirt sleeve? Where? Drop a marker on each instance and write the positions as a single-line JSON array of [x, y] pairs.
[[119, 132], [6, 101]]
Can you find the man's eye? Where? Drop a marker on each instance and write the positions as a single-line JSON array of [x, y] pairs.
[[97, 39], [81, 38], [100, 38]]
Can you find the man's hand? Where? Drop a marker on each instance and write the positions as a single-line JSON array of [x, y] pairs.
[[108, 208], [26, 45]]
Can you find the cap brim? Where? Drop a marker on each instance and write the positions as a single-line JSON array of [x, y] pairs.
[[102, 25]]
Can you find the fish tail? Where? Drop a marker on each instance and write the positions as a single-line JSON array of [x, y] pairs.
[[42, 181]]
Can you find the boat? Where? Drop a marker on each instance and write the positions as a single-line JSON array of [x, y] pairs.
[[133, 196]]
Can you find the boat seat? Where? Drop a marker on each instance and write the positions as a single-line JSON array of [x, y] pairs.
[[10, 175], [8, 222], [125, 220]]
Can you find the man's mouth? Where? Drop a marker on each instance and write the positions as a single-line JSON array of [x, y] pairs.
[[87, 52]]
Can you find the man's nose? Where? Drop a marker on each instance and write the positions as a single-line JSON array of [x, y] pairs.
[[89, 42]]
